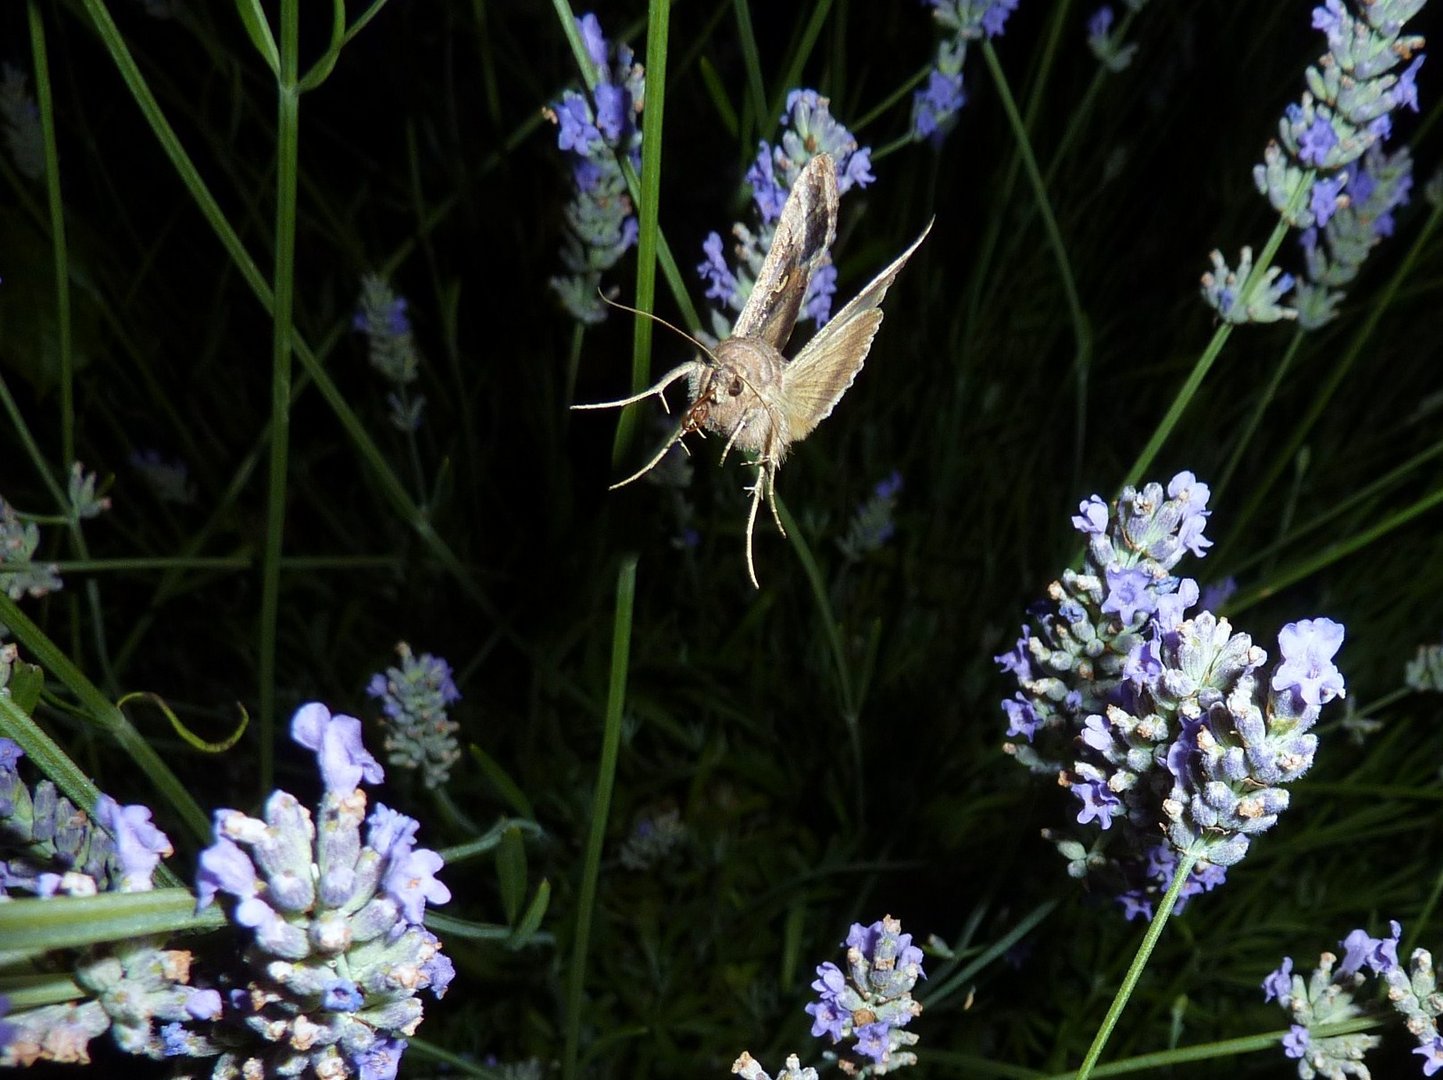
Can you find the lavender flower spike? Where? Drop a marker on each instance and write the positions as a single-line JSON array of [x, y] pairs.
[[1168, 728], [338, 947]]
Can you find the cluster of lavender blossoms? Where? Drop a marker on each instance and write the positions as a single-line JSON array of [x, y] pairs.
[[1327, 997], [414, 698], [596, 132], [871, 1003], [338, 950], [132, 989], [381, 316], [935, 106], [1424, 673], [20, 574], [809, 129], [873, 525], [1168, 728], [169, 481], [1312, 167], [1106, 37]]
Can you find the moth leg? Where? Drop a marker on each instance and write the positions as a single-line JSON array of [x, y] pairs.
[[676, 437], [756, 490], [772, 496], [732, 440]]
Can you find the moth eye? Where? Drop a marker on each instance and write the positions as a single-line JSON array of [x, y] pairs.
[[735, 388]]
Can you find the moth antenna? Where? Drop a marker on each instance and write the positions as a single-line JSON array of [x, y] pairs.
[[657, 318], [676, 437], [655, 388]]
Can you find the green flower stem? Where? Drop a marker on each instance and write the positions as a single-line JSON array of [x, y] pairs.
[[751, 60], [1185, 863], [647, 210], [589, 75], [947, 982], [1264, 400], [59, 248], [1360, 342], [600, 808], [1333, 552], [846, 692], [1264, 1042], [1372, 490], [66, 335], [1215, 346], [792, 76], [288, 121], [1081, 326], [103, 714]]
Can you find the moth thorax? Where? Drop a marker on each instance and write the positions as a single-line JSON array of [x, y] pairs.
[[742, 386]]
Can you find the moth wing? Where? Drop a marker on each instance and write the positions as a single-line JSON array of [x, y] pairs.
[[804, 232], [815, 381]]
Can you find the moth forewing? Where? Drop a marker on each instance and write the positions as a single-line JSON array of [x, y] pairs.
[[815, 381], [800, 245]]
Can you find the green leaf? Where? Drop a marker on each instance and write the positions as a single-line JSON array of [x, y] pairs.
[[33, 927], [504, 785], [531, 921], [511, 873]]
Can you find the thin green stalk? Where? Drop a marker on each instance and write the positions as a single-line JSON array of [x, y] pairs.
[[103, 714], [1334, 552], [1264, 400], [1360, 342], [391, 488], [1081, 327], [1373, 489], [792, 76], [648, 212], [59, 248], [831, 628], [669, 268], [1219, 339], [751, 61], [288, 118], [1185, 863], [1266, 1041], [600, 808]]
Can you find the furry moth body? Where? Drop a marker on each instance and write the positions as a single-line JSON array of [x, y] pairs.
[[747, 390]]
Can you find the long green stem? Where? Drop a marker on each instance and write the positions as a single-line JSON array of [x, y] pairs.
[[600, 808], [1185, 863], [1259, 408], [1081, 327], [288, 107], [648, 215]]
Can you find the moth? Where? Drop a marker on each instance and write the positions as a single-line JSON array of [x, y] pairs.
[[747, 390]]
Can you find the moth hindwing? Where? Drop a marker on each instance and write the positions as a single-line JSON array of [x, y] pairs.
[[747, 391]]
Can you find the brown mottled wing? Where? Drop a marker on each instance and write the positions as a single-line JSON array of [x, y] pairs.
[[799, 246], [815, 381]]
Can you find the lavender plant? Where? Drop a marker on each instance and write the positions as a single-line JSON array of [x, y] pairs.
[[414, 697], [935, 106], [381, 316], [1168, 728], [1329, 996], [870, 1003], [808, 129], [597, 131], [337, 951], [1309, 173]]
